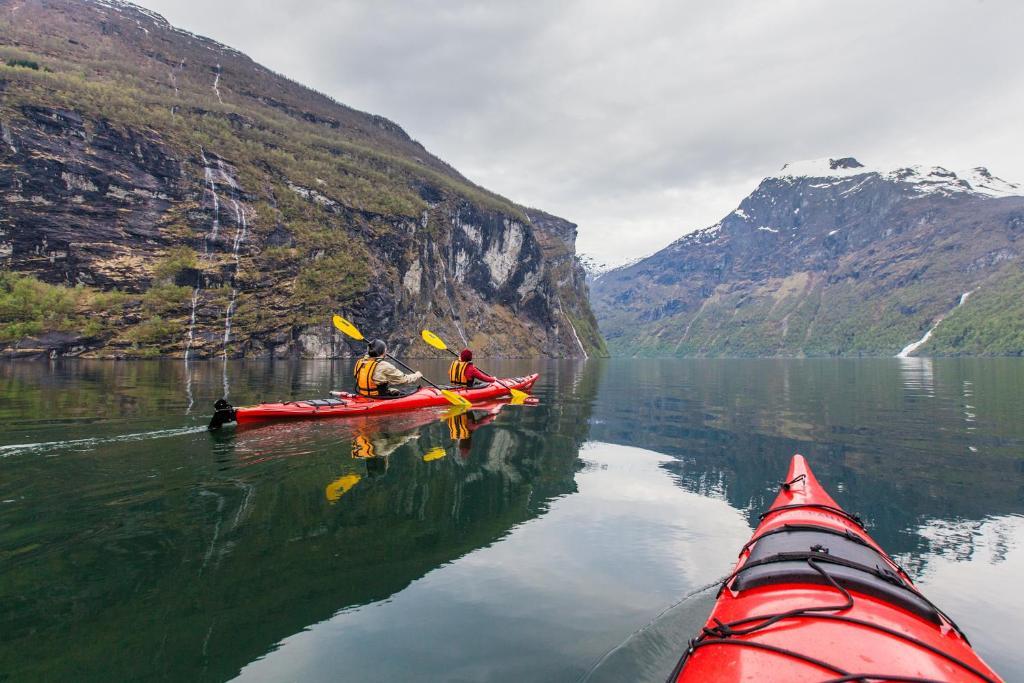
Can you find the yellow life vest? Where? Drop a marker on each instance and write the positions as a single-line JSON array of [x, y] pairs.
[[362, 447], [457, 372], [458, 427], [363, 372]]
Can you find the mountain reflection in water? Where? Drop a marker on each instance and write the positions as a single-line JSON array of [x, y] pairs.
[[509, 542]]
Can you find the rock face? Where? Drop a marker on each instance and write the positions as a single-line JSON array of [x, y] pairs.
[[831, 257], [235, 210]]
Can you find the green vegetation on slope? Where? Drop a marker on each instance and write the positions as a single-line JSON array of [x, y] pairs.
[[28, 307], [132, 93], [191, 144], [990, 323], [143, 324]]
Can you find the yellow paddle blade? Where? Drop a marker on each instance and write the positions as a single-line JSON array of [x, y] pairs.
[[435, 453], [518, 395], [348, 328], [340, 486], [455, 399], [434, 340]]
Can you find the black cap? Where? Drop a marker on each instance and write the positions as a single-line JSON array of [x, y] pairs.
[[377, 348]]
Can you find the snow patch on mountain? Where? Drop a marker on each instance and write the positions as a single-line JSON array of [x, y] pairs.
[[922, 179], [985, 183]]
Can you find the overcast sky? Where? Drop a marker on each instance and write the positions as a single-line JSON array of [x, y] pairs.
[[642, 120]]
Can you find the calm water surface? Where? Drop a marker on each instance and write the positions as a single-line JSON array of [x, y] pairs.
[[521, 543]]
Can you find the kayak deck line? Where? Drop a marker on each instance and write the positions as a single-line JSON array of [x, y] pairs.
[[346, 405], [813, 597]]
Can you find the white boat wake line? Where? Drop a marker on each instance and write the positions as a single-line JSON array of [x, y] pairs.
[[45, 446]]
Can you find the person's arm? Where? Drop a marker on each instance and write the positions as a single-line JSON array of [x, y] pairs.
[[386, 372], [474, 372]]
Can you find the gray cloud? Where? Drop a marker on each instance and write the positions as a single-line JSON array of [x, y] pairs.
[[642, 121]]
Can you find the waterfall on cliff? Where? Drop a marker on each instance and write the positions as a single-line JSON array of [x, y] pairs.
[[240, 234], [188, 350], [216, 83], [210, 185], [914, 346]]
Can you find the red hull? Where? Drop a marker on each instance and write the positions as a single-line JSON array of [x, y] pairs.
[[849, 611], [358, 405]]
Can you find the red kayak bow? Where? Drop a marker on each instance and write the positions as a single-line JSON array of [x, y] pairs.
[[814, 598]]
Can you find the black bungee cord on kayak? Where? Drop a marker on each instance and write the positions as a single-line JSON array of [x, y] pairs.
[[817, 506], [720, 635], [722, 632], [786, 485]]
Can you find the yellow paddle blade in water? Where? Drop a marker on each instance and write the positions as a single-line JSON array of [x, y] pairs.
[[347, 327], [433, 340], [456, 399], [435, 453], [518, 397], [340, 486]]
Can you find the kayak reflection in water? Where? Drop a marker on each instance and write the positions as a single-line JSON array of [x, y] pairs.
[[375, 441], [462, 425], [375, 450]]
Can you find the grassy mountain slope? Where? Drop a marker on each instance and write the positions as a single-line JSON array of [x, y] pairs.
[[207, 190]]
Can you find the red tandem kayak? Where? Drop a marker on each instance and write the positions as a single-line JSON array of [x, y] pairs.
[[814, 598], [348, 405]]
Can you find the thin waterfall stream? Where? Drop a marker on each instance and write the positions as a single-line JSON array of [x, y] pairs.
[[240, 234], [914, 346], [210, 186]]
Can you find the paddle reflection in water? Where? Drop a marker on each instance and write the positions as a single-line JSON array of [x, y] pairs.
[[374, 439], [189, 556], [184, 556], [518, 609]]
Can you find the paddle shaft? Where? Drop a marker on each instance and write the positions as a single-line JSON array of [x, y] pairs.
[[389, 356]]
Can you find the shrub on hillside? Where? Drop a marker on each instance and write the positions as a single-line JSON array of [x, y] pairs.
[[28, 306], [175, 260], [25, 63], [328, 281]]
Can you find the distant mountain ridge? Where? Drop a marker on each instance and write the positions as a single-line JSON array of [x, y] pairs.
[[832, 257], [166, 195]]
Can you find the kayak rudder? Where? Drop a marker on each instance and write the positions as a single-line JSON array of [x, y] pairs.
[[223, 412]]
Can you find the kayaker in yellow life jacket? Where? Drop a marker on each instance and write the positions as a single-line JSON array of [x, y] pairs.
[[376, 377], [463, 373]]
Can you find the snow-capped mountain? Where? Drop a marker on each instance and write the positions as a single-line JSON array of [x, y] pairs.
[[920, 179], [828, 256]]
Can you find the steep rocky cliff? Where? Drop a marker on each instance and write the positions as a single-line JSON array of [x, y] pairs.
[[834, 258], [185, 200]]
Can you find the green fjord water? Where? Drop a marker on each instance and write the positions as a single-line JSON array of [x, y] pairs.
[[135, 545]]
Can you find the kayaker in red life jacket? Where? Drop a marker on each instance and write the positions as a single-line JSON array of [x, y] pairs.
[[462, 371], [376, 377]]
